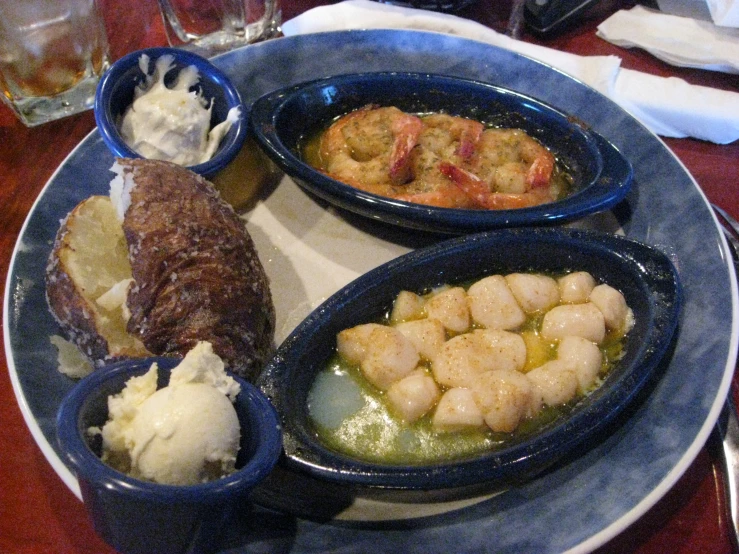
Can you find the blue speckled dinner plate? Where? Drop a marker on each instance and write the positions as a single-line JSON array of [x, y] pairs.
[[577, 505]]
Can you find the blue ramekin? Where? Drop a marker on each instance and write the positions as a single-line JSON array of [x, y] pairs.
[[115, 94], [135, 516]]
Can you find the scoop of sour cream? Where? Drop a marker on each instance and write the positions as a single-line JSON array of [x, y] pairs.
[[172, 123]]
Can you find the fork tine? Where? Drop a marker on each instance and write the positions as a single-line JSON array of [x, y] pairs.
[[733, 223]]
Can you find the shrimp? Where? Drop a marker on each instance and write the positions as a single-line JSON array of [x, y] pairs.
[[444, 138], [508, 170], [451, 138], [510, 161], [480, 193], [437, 160], [429, 186], [370, 147]]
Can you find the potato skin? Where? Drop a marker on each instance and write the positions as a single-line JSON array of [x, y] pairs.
[[196, 270]]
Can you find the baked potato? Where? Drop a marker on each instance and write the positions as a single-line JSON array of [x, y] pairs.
[[160, 265]]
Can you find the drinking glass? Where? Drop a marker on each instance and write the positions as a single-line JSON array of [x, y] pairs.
[[209, 27], [52, 54]]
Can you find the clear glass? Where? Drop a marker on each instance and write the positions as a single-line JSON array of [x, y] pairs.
[[209, 27], [52, 54]]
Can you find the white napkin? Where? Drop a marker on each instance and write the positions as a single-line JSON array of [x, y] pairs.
[[597, 71], [687, 113], [724, 12], [679, 41], [643, 96]]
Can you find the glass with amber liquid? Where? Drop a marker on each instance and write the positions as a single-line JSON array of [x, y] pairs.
[[52, 54]]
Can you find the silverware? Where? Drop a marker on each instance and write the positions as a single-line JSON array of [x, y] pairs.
[[730, 227], [725, 446], [726, 434]]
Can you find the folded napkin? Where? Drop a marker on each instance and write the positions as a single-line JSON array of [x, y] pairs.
[[597, 71], [643, 96], [724, 12], [679, 41], [670, 107]]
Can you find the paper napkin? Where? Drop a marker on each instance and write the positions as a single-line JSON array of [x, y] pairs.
[[669, 107], [680, 41], [597, 71], [724, 12]]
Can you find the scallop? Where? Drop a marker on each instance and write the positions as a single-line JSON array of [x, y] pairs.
[[464, 357], [408, 305], [427, 335], [493, 305], [507, 350], [352, 343], [583, 357], [533, 292], [504, 397], [413, 396], [554, 383], [457, 411], [581, 320], [460, 360], [450, 308], [612, 304], [575, 287], [389, 357]]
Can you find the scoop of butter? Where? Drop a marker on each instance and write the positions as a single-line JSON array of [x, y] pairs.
[[182, 434], [172, 123]]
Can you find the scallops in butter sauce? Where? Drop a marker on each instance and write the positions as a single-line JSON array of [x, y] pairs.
[[465, 369]]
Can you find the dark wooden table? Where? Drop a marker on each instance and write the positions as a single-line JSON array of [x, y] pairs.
[[38, 514]]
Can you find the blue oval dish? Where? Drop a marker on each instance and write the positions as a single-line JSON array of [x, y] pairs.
[[283, 119], [114, 95], [643, 274], [142, 517]]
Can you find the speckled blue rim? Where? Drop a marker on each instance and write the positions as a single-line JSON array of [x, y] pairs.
[[115, 92]]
